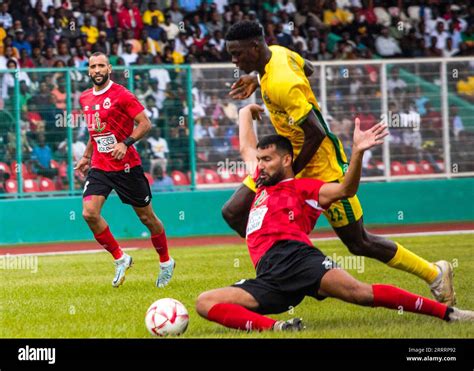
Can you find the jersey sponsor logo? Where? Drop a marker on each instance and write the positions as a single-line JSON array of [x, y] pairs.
[[283, 114], [86, 108], [256, 217], [107, 103], [98, 126], [106, 143], [262, 197]]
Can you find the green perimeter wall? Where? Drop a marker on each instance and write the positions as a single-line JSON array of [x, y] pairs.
[[198, 213]]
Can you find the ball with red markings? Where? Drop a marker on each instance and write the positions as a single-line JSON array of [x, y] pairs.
[[167, 317]]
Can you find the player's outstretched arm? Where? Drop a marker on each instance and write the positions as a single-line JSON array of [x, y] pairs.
[[143, 126], [247, 137], [363, 140], [236, 210], [314, 135]]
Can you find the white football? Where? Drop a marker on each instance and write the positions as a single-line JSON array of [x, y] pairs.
[[167, 317]]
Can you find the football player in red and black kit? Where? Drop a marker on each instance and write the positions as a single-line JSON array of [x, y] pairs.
[[284, 211], [112, 162]]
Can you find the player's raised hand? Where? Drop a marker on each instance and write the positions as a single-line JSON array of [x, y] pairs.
[[364, 140], [119, 151], [83, 165], [244, 87], [255, 110]]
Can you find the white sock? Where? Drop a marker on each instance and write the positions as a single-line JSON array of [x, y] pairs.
[[166, 264]]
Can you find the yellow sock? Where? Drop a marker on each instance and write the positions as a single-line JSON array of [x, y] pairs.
[[407, 261]]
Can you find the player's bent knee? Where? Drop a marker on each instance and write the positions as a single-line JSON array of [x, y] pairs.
[[204, 303], [90, 216], [146, 219]]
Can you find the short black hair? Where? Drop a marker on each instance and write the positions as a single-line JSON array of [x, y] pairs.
[[98, 54], [282, 144], [244, 30], [12, 61]]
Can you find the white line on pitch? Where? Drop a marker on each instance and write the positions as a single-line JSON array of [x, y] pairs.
[[94, 251], [411, 234]]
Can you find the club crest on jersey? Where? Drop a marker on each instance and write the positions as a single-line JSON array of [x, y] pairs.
[[261, 198], [106, 103], [98, 125]]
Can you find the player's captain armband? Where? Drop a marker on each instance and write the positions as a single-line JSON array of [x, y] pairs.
[[250, 183], [105, 143]]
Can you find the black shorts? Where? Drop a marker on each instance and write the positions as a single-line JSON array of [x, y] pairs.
[[131, 186], [287, 273]]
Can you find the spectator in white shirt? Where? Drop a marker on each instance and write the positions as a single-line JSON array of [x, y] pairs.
[[182, 43], [198, 110], [288, 7], [5, 17], [441, 35], [397, 88], [162, 78], [432, 20], [170, 28], [298, 38], [8, 54], [386, 45], [449, 50], [159, 149], [8, 81], [129, 57], [217, 41], [200, 132], [395, 82], [313, 41], [78, 147], [151, 110], [175, 15]]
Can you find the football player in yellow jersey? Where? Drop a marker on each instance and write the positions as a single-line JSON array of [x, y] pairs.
[[295, 114]]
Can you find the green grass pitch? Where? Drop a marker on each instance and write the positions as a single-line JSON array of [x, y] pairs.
[[71, 296]]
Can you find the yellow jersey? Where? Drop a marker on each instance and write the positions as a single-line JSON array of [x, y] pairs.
[[288, 96]]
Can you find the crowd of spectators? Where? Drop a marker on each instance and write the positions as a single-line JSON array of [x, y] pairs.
[[60, 33], [41, 33]]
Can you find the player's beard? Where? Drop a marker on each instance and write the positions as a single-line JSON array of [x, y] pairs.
[[104, 79], [274, 179]]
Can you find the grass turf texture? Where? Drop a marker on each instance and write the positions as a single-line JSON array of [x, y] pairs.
[[71, 295]]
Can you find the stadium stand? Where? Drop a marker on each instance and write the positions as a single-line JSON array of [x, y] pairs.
[[158, 33]]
